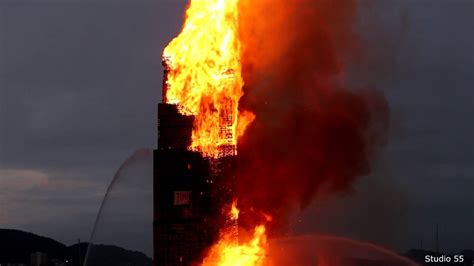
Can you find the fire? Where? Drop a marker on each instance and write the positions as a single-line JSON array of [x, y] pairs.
[[252, 253], [234, 211], [204, 76], [228, 252]]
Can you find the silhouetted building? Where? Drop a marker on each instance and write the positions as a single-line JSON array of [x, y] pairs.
[[189, 192], [182, 200], [38, 259]]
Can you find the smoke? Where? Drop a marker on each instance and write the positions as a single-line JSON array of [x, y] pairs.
[[313, 133], [324, 250]]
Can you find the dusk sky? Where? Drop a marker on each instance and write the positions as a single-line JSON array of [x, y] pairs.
[[80, 80]]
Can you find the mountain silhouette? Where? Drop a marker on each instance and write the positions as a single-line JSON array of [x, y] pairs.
[[16, 247], [117, 256]]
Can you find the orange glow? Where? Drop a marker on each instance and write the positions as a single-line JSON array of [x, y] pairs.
[[204, 76], [204, 79], [228, 252], [251, 253], [234, 211]]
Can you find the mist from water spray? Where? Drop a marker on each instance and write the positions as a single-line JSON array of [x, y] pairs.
[[326, 250], [129, 194]]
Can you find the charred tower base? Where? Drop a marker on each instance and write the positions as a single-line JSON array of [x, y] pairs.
[[189, 193]]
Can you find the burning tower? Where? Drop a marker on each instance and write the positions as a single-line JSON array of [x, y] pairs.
[[192, 188], [190, 191], [198, 123]]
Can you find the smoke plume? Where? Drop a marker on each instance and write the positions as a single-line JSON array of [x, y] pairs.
[[313, 132]]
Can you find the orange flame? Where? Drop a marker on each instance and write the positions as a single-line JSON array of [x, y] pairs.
[[234, 211], [204, 76], [228, 252]]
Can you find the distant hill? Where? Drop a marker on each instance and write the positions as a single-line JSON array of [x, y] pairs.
[[16, 247], [117, 256]]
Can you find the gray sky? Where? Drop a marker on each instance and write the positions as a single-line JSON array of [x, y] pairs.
[[80, 84], [80, 81]]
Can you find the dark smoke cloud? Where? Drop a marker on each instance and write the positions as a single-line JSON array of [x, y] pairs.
[[312, 132]]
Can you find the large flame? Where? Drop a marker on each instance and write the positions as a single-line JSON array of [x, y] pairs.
[[251, 253], [204, 76], [229, 252]]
